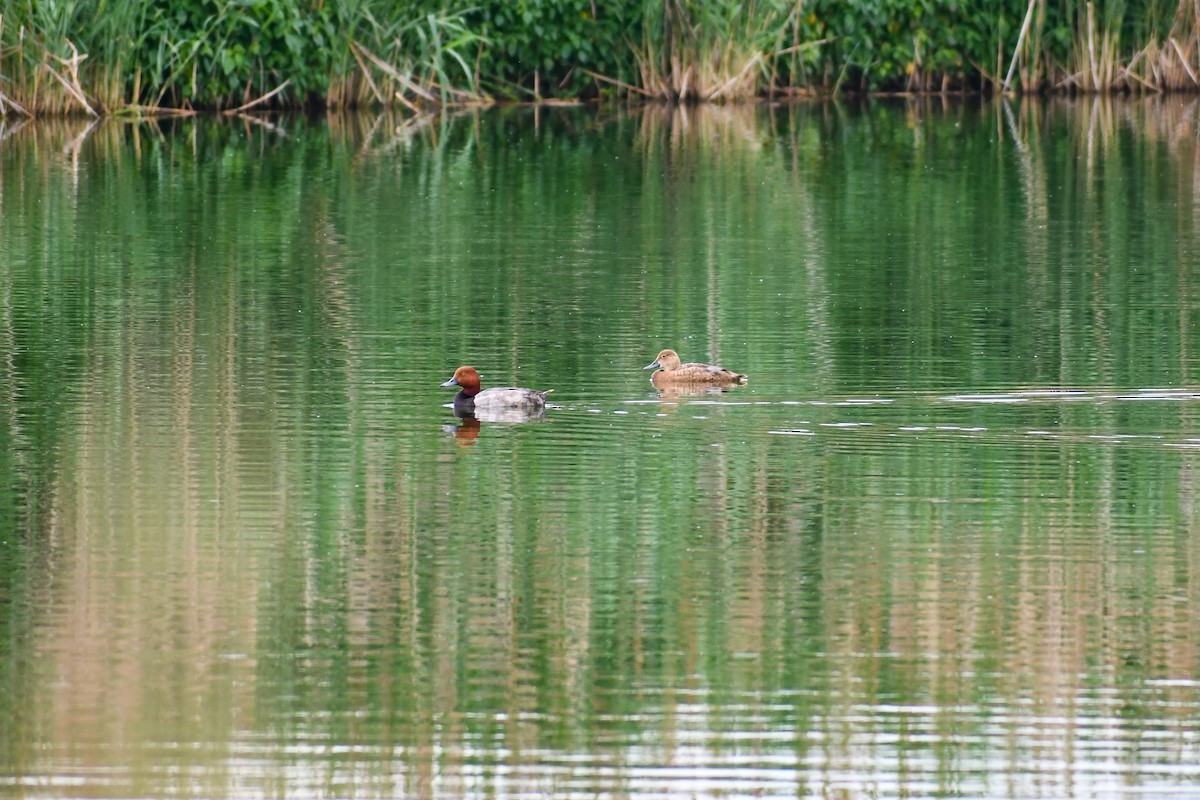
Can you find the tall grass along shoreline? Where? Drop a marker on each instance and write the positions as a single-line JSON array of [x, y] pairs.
[[106, 57]]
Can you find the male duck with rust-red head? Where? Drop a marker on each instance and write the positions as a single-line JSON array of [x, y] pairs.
[[470, 400]]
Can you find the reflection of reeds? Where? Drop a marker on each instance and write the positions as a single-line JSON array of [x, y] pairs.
[[1169, 120], [779, 575], [681, 128]]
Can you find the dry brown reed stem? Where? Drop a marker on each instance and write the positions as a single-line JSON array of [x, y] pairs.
[[615, 82], [1091, 43], [1012, 65], [260, 100], [1128, 73], [73, 87], [1183, 59], [1096, 64], [367, 75], [754, 61], [7, 102], [695, 75], [395, 74], [409, 104]]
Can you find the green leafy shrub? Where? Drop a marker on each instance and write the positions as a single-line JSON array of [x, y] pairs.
[[223, 53], [559, 41], [214, 53]]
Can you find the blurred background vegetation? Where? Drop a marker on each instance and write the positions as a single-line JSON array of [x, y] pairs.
[[110, 56]]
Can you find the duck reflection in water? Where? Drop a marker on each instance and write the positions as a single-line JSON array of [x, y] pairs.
[[467, 431], [674, 391], [673, 378]]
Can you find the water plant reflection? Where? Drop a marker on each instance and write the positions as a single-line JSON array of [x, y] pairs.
[[242, 557]]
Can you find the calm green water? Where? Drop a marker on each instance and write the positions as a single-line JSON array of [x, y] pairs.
[[945, 543]]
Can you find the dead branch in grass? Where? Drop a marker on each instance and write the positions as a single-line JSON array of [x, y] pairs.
[[260, 100]]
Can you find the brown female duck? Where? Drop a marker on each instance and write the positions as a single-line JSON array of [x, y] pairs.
[[670, 370]]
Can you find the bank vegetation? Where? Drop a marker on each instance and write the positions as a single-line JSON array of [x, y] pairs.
[[104, 57]]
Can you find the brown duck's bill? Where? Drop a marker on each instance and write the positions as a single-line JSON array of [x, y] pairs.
[[452, 382], [653, 365]]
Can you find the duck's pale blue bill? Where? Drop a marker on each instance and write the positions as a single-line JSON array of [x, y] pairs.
[[652, 365]]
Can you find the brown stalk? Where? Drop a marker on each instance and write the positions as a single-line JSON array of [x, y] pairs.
[[1129, 74], [408, 103], [1091, 46], [754, 60], [616, 82], [392, 72], [1067, 80], [467, 97], [363, 68], [989, 77], [1020, 41], [7, 102], [797, 47], [260, 100], [1183, 60], [72, 86]]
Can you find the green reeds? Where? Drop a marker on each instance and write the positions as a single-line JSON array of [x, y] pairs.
[[419, 62], [1094, 64], [141, 56], [711, 51]]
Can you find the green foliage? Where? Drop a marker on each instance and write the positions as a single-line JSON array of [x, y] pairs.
[[188, 52], [221, 53], [211, 52], [425, 44], [890, 44], [556, 40]]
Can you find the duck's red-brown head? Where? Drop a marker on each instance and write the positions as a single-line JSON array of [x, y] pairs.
[[467, 379]]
